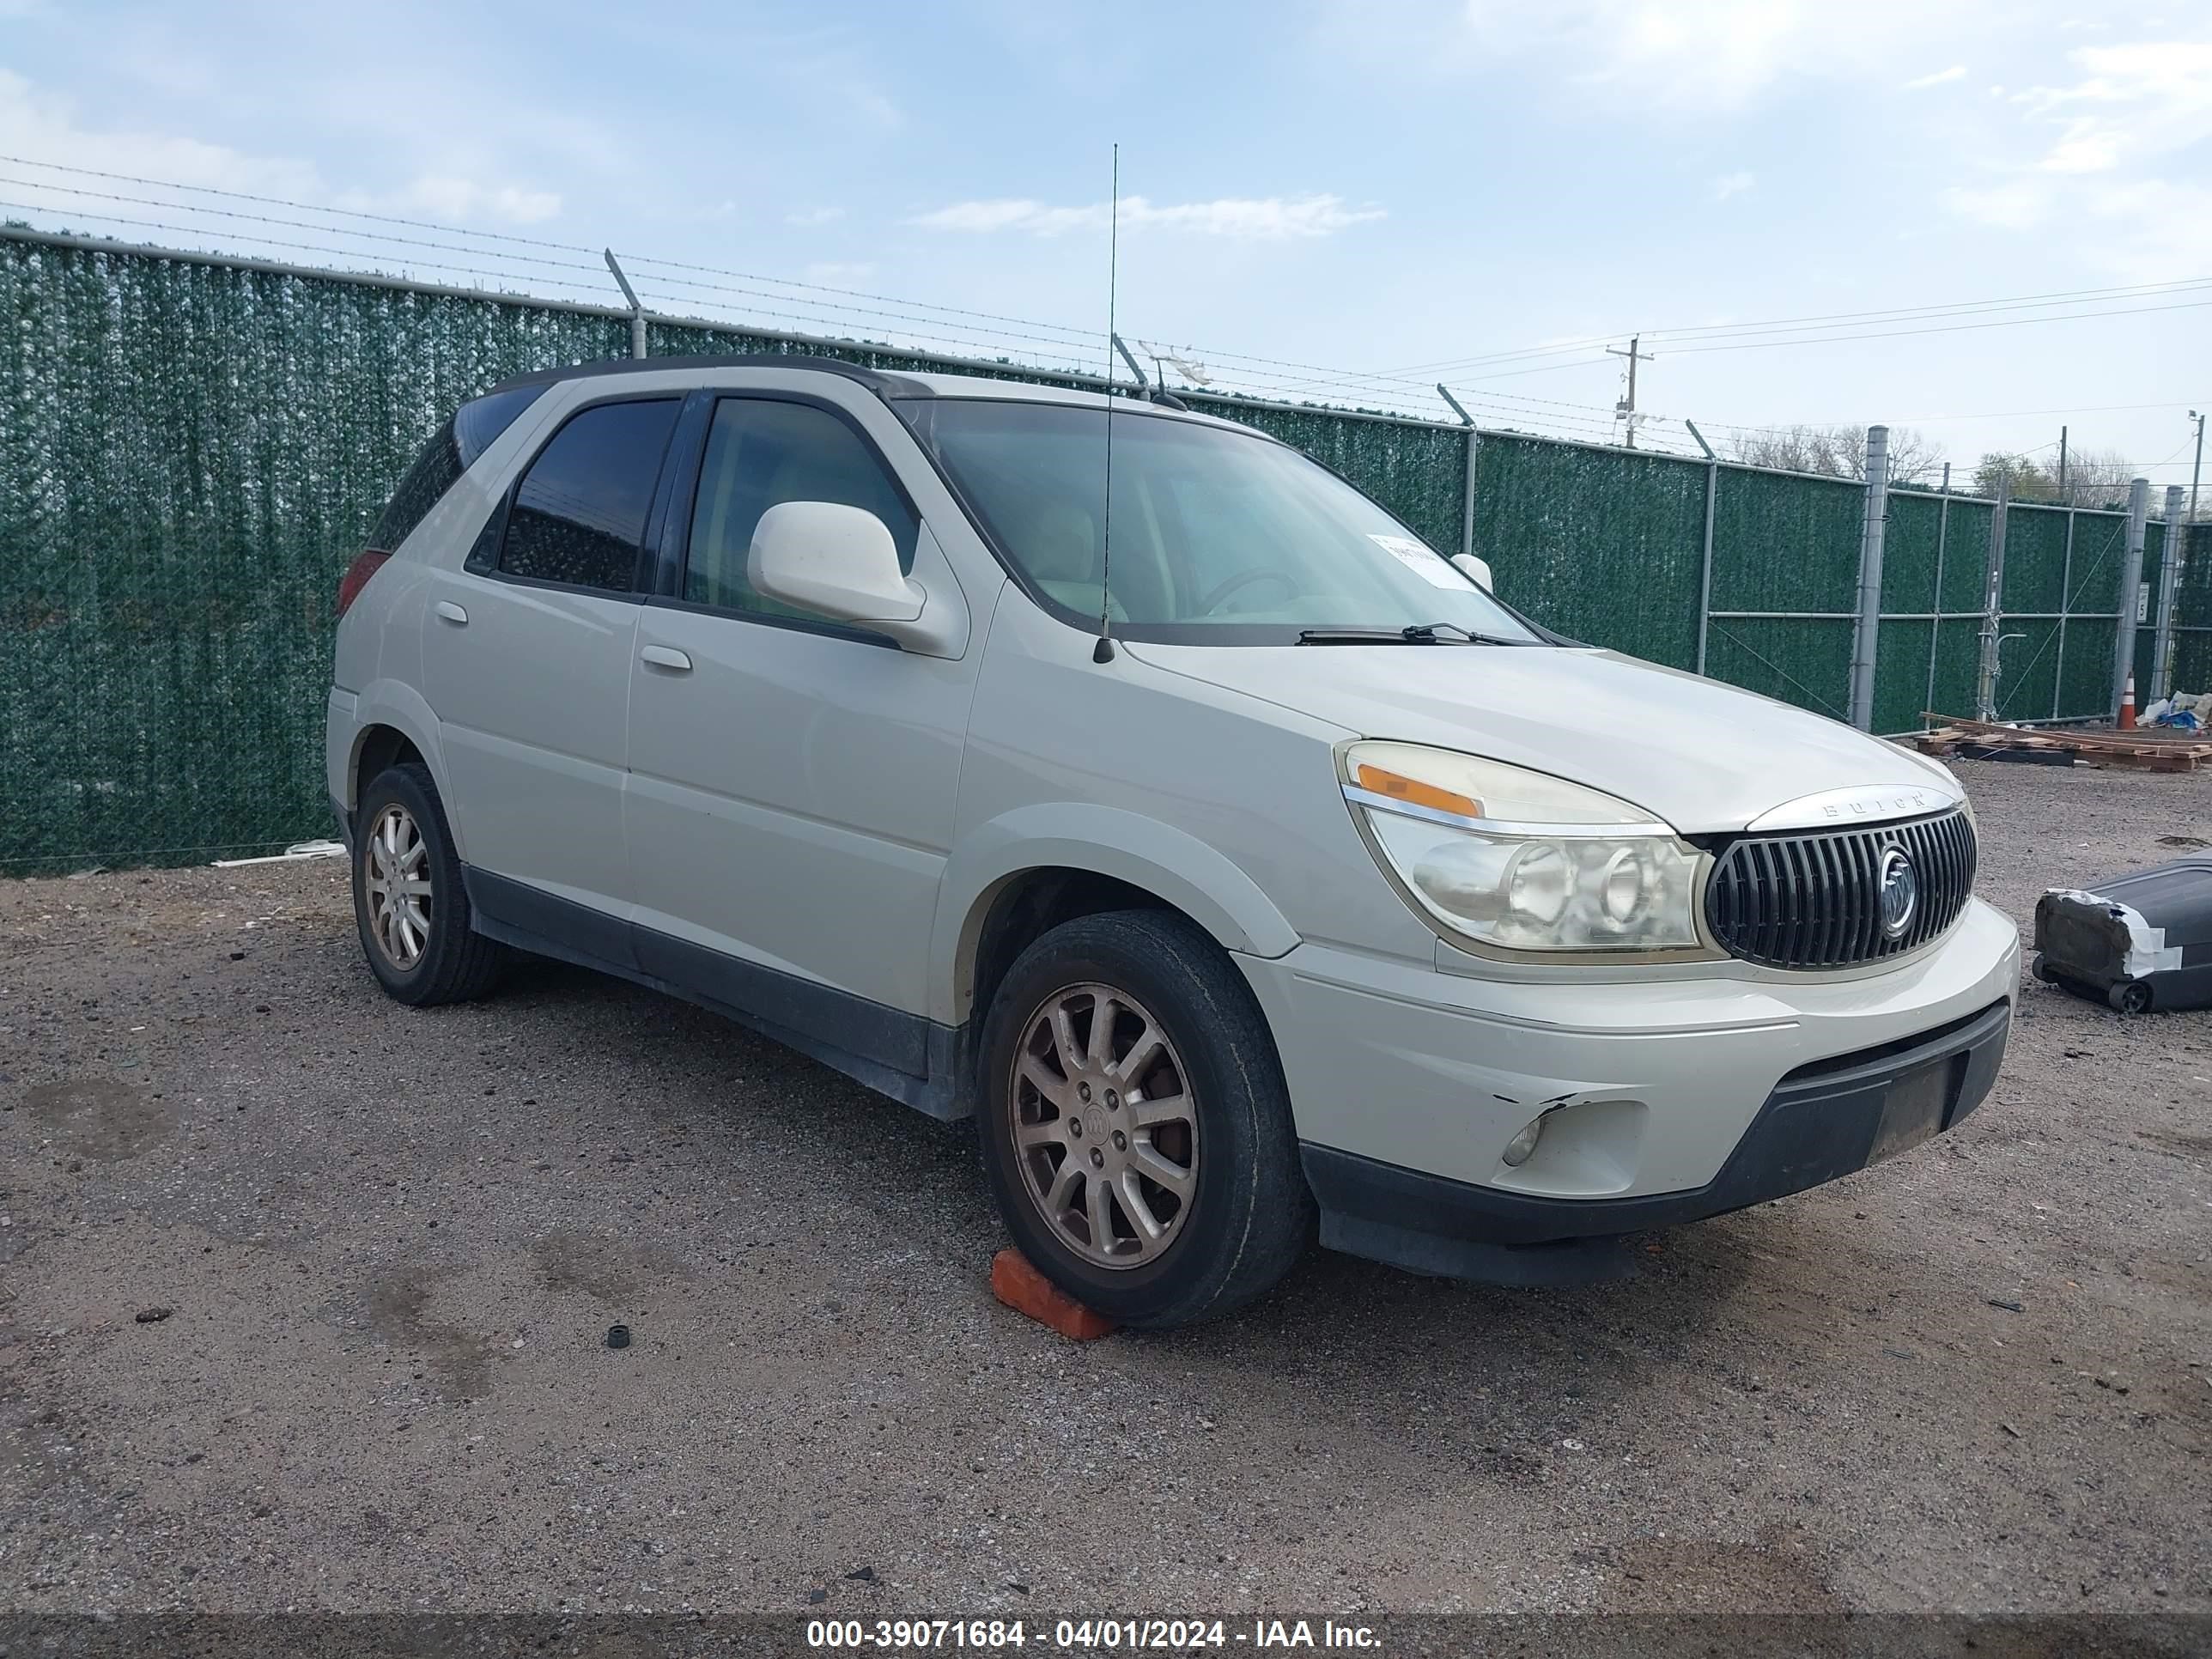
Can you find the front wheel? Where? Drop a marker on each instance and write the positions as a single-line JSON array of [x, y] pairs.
[[1136, 1131]]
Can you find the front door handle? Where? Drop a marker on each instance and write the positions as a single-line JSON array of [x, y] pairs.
[[666, 656], [448, 611]]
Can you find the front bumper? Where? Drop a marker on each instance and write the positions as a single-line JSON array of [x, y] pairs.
[[1827, 1119], [1665, 1099]]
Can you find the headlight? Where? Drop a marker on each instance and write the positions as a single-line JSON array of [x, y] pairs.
[[1517, 861]]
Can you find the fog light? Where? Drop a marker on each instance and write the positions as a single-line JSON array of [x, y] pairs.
[[1522, 1146]]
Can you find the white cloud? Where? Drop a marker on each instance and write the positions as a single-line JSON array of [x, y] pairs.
[[1920, 83], [2017, 205], [806, 217], [1271, 218], [42, 127], [460, 201], [2102, 146], [1733, 184], [1700, 54], [836, 273], [2144, 100]]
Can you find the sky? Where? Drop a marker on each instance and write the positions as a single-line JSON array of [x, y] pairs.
[[1312, 191]]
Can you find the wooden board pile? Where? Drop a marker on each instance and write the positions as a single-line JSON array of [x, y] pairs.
[[2144, 750]]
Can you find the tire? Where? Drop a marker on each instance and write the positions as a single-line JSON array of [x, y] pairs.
[[2131, 999], [450, 961], [1210, 1103]]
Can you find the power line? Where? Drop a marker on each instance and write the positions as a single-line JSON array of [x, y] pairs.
[[1830, 319]]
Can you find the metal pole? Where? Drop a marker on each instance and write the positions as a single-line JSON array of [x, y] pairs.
[[2196, 470], [2065, 592], [2169, 589], [1986, 679], [2123, 646], [1935, 622], [1143, 385], [1467, 490], [1706, 560], [1866, 636], [636, 309], [2062, 468]]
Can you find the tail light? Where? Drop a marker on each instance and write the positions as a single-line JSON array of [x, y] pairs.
[[356, 577]]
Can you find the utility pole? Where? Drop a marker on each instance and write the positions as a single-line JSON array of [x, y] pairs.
[[1626, 406], [2061, 466]]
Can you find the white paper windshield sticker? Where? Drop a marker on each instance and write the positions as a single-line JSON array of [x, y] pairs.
[[1427, 565]]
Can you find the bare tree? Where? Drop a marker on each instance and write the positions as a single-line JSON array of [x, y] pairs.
[[1838, 452], [2096, 477]]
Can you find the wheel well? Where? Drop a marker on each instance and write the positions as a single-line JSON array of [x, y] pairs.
[[1034, 902], [381, 746]]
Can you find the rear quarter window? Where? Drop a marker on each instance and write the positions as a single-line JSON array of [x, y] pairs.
[[453, 449]]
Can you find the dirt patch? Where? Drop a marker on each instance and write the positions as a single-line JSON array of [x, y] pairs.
[[397, 1305], [1704, 1575], [618, 1274], [100, 1119]]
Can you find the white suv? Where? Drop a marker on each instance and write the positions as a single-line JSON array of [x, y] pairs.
[[1299, 879]]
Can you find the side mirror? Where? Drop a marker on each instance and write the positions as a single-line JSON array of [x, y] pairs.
[[838, 561], [1476, 570]]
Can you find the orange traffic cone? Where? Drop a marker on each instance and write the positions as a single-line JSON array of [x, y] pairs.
[[2127, 720]]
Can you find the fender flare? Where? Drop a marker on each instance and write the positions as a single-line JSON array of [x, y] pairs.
[[1170, 863], [402, 708]]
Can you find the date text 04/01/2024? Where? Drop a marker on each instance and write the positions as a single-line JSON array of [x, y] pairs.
[[1108, 1635]]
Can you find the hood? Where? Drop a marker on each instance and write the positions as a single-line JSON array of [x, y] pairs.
[[1702, 755]]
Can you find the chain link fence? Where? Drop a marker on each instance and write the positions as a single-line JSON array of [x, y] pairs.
[[192, 449]]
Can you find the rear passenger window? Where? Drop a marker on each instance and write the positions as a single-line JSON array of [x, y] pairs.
[[761, 452], [579, 516]]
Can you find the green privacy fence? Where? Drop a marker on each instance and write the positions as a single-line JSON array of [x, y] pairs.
[[192, 448]]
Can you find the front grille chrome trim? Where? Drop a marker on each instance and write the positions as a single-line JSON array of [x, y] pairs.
[[1813, 900]]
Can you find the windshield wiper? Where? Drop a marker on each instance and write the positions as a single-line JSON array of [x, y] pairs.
[[1413, 634]]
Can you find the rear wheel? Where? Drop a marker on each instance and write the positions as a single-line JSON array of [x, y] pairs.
[[1136, 1130], [408, 901]]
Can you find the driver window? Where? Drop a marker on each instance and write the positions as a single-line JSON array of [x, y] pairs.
[[760, 453]]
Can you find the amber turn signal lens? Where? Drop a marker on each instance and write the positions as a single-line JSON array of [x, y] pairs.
[[1415, 792]]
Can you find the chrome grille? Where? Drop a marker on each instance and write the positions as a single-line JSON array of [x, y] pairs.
[[1814, 900]]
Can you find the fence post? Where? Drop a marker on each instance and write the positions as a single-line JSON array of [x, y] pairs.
[[2169, 591], [2065, 604], [2123, 648], [636, 309], [1467, 493], [1936, 609], [1866, 636], [1985, 679], [1705, 561]]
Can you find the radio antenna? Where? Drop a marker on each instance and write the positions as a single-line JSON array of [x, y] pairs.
[[1103, 651]]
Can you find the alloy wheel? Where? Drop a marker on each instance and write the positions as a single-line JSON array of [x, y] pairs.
[[1104, 1126], [398, 887]]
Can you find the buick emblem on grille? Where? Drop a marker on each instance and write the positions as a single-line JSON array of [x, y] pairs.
[[1900, 892]]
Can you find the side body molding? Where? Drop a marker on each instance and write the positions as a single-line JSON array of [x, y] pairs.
[[1108, 842]]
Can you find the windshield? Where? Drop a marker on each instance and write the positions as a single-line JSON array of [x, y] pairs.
[[1219, 538]]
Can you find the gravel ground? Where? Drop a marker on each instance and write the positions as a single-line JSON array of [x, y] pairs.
[[390, 1245]]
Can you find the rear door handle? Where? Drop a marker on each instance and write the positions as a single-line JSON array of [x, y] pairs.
[[666, 656], [448, 611]]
